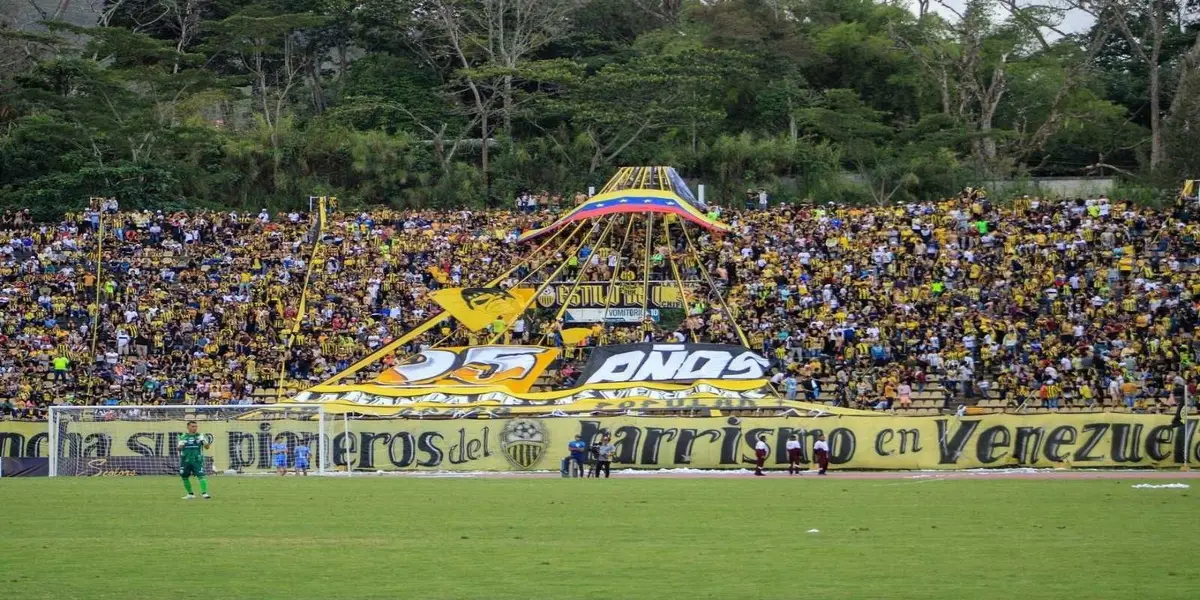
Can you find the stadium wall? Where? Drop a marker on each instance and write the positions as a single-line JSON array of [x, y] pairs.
[[884, 442], [1046, 187], [1054, 187]]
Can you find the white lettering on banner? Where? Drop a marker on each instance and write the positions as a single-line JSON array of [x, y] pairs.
[[479, 365], [426, 365], [704, 364], [658, 364], [747, 366], [504, 358], [510, 400], [675, 362], [612, 315]]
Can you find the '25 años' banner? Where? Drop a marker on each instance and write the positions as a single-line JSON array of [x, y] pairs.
[[1080, 440]]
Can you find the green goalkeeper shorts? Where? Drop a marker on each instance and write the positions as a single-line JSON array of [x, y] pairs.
[[191, 468]]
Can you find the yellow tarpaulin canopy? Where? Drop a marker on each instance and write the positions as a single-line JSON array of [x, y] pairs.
[[481, 390], [642, 404]]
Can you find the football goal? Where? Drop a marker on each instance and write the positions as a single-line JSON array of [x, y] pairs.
[[143, 440]]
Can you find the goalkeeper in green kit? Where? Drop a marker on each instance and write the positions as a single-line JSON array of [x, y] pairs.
[[191, 460]]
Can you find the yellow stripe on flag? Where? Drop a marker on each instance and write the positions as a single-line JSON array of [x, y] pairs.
[[477, 308]]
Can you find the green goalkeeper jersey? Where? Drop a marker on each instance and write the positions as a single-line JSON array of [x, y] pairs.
[[191, 447]]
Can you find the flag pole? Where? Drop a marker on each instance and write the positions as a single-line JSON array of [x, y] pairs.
[[612, 280], [549, 280], [390, 347]]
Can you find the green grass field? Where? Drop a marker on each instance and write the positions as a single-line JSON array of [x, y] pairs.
[[389, 537]]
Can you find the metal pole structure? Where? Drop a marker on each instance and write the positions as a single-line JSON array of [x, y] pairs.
[[391, 347], [346, 441], [646, 271], [99, 276], [302, 309], [1187, 432], [549, 280], [53, 437], [612, 280], [321, 448]]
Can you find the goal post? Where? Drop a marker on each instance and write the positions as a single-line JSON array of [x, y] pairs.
[[142, 440]]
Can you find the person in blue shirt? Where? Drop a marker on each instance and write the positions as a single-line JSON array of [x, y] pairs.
[[578, 455], [300, 458], [279, 457], [789, 385]]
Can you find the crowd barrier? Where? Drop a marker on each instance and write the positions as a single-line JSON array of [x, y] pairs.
[[856, 442]]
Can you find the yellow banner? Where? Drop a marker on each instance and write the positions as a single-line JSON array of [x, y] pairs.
[[663, 403], [727, 394], [477, 308], [1076, 440], [573, 336], [511, 368], [605, 295]]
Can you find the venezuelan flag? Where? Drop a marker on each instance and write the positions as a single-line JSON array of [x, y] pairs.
[[632, 201]]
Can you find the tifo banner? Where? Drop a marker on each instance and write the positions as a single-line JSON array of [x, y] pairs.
[[24, 439], [1073, 440], [477, 308], [672, 362], [719, 395], [663, 402], [515, 368], [629, 294]]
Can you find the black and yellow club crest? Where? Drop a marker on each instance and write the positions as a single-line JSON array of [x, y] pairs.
[[524, 442]]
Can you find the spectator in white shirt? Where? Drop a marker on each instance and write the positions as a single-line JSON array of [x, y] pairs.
[[760, 455], [793, 450], [821, 453]]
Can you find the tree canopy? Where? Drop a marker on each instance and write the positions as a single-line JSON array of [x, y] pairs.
[[249, 103]]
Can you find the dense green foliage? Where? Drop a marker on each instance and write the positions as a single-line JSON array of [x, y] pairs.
[[245, 103], [627, 537]]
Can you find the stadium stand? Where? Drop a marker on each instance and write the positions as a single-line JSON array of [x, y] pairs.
[[1033, 305]]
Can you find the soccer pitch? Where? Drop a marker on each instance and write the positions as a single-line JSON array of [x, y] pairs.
[[630, 537]]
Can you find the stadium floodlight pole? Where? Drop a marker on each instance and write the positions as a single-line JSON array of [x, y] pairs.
[[434, 320]]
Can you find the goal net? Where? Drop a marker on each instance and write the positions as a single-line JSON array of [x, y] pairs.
[[142, 440]]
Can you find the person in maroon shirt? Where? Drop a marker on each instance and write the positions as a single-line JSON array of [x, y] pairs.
[[793, 450], [821, 453], [760, 455]]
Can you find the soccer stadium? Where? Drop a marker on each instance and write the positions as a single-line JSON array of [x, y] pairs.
[[603, 298]]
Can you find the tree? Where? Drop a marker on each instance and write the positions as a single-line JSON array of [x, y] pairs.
[[623, 103], [1146, 28], [977, 61], [488, 43], [265, 50]]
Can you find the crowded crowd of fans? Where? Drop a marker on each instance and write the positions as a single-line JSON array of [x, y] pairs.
[[1046, 303]]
